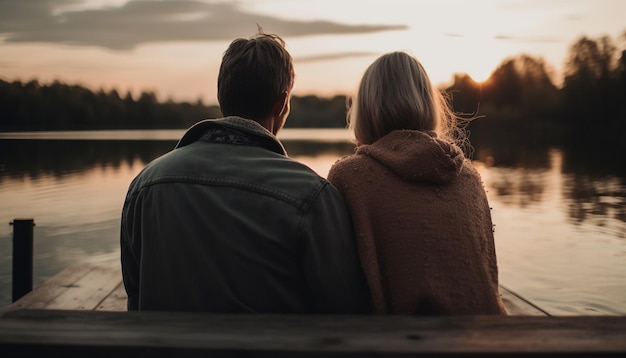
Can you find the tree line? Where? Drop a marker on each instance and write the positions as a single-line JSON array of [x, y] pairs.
[[519, 94], [59, 106]]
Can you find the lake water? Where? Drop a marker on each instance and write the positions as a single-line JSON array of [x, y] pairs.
[[560, 216]]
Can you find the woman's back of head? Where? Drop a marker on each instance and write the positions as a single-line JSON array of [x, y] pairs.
[[396, 93]]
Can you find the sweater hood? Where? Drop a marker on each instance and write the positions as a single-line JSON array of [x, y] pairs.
[[417, 156]]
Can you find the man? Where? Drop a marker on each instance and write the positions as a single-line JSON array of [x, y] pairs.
[[226, 222]]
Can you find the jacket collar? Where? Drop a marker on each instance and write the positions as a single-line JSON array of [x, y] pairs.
[[265, 137]]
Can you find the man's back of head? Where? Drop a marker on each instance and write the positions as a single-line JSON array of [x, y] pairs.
[[253, 76]]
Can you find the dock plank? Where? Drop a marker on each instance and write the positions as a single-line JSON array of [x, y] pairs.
[[116, 300], [516, 305], [87, 292], [43, 295], [99, 287], [93, 322], [157, 334]]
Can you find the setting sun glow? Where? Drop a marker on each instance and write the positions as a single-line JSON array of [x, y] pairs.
[[175, 51]]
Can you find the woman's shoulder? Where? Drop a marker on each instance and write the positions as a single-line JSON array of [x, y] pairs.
[[348, 166], [469, 170], [350, 162]]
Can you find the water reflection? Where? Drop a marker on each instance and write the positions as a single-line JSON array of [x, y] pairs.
[[34, 158], [597, 200], [513, 157], [560, 223], [591, 189], [517, 175]]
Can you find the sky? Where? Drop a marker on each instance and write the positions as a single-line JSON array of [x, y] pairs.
[[174, 47]]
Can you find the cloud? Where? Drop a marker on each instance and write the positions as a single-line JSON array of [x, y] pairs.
[[575, 17], [536, 39], [334, 56], [142, 21]]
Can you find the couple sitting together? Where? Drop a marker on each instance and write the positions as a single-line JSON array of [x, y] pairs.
[[227, 222]]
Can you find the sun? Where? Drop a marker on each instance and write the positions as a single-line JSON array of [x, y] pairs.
[[480, 74]]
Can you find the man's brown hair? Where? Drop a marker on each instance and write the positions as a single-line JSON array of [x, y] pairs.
[[253, 75]]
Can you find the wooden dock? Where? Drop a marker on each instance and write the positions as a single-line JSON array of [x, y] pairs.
[[100, 288], [81, 312], [80, 287]]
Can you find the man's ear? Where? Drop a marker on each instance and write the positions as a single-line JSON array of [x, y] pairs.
[[281, 104]]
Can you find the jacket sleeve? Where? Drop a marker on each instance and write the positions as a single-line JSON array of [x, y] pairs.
[[330, 258], [129, 252]]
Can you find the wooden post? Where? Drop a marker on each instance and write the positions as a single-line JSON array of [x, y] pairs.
[[22, 257]]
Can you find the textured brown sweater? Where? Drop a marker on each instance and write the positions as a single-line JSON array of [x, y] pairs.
[[423, 226]]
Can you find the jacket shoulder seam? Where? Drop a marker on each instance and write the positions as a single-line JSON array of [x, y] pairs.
[[302, 205]]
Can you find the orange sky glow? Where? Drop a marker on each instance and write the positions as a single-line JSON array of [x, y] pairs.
[[173, 48]]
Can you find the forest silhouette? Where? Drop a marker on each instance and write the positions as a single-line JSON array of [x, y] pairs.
[[520, 96]]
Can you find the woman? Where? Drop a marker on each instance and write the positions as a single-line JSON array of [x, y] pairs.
[[420, 212]]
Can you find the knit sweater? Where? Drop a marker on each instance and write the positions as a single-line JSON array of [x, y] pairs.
[[423, 226]]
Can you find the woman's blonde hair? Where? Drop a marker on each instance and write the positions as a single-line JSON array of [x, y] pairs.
[[396, 93]]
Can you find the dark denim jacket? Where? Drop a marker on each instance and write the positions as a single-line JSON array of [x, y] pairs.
[[226, 222]]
